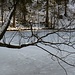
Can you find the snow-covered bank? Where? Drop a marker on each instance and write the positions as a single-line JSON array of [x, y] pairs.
[[22, 28]]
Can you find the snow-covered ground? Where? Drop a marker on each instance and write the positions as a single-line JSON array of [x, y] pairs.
[[29, 61], [32, 61]]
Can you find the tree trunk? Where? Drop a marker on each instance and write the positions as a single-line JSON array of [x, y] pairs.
[[24, 19], [2, 12], [65, 8], [14, 14], [6, 24], [14, 24], [47, 17]]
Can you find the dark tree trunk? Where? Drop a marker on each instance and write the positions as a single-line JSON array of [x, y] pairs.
[[47, 17], [14, 19], [2, 12], [65, 8], [14, 14], [24, 19]]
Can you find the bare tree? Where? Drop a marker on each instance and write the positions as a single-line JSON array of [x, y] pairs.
[[6, 24]]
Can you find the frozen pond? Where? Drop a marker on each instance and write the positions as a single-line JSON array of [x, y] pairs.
[[32, 61]]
